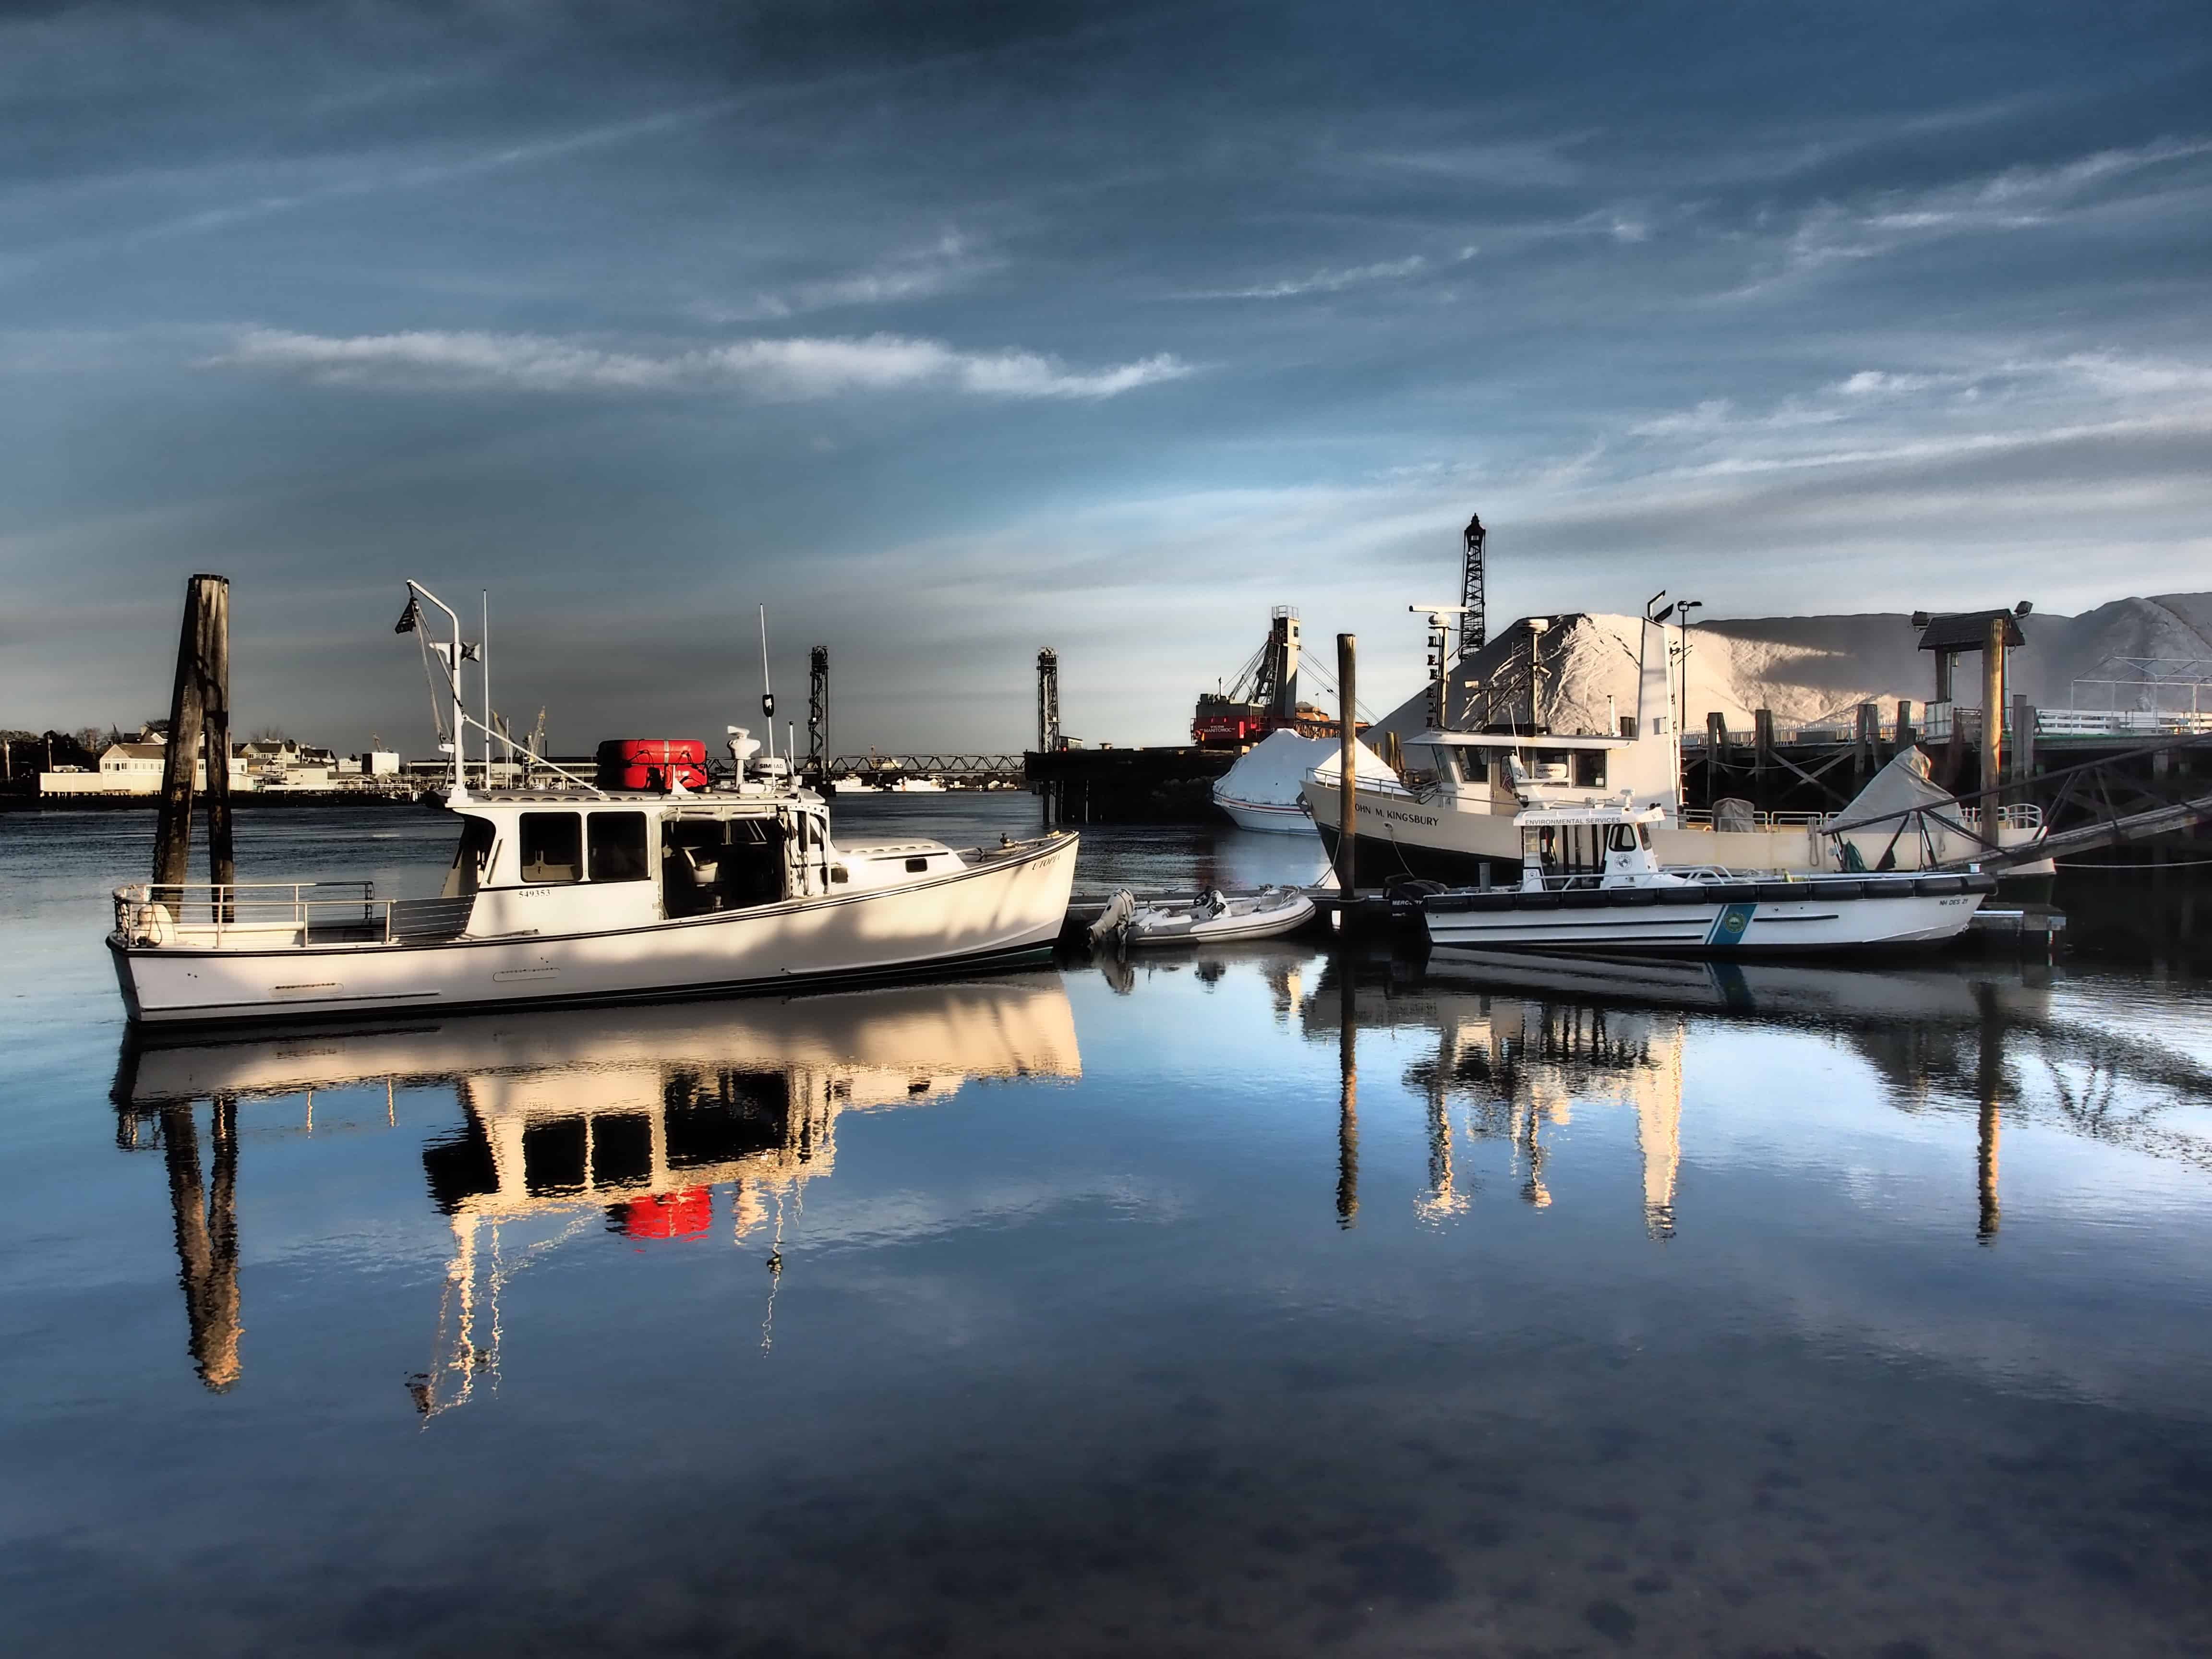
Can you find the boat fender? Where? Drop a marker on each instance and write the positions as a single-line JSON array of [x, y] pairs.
[[151, 924]]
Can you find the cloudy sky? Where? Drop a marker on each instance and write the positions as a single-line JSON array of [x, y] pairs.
[[948, 332]]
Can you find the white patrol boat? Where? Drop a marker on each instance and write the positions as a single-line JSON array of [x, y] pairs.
[[1590, 882], [569, 892]]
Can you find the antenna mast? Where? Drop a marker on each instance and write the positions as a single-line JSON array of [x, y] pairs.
[[767, 693]]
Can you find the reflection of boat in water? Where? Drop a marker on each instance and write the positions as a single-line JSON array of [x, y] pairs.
[[1960, 992], [657, 1121], [1516, 1068], [1520, 1035]]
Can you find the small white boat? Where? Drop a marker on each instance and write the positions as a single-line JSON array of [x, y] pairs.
[[1591, 882], [912, 786], [1211, 917]]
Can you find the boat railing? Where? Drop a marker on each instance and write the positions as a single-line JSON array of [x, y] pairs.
[[266, 913], [1702, 818]]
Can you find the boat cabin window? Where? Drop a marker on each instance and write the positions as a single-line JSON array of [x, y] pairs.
[[1466, 764], [552, 847], [1621, 837], [616, 842], [471, 858], [1590, 768]]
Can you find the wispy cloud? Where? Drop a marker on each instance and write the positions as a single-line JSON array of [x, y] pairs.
[[1330, 282], [948, 263], [776, 370], [2016, 199], [1914, 415], [260, 190]]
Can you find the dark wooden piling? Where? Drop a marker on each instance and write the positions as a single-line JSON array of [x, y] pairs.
[[199, 715], [1347, 751], [1762, 757], [1904, 724]]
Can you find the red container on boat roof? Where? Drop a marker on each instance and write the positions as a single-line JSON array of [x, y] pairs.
[[652, 762]]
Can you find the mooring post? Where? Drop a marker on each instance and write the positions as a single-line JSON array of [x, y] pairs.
[[1762, 756], [1904, 724], [214, 745], [2023, 739], [1993, 705], [206, 606], [1347, 751]]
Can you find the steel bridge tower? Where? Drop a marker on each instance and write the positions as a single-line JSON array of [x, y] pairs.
[[817, 713], [1048, 701], [1473, 629]]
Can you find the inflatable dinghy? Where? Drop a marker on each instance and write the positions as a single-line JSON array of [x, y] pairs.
[[1210, 917]]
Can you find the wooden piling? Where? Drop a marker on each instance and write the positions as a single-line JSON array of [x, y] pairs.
[[1865, 742], [1904, 724], [1762, 757], [202, 669], [2023, 739], [1347, 751], [1993, 702], [215, 727]]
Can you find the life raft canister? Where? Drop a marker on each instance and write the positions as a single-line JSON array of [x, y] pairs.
[[652, 762]]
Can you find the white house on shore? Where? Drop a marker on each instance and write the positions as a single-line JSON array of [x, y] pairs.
[[136, 767], [133, 768]]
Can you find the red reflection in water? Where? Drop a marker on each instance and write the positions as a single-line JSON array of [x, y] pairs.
[[668, 1215]]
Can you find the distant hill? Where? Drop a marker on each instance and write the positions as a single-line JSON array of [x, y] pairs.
[[1805, 668]]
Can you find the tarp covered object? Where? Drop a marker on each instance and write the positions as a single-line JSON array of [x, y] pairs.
[[1904, 787], [1270, 772]]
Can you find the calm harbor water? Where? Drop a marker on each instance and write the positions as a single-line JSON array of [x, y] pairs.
[[1262, 1300]]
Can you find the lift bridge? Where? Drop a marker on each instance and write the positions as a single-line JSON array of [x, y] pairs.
[[973, 771]]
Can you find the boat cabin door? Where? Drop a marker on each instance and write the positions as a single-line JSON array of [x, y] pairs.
[[806, 853]]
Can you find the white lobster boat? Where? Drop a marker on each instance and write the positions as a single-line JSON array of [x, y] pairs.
[[1590, 882], [572, 893], [581, 895]]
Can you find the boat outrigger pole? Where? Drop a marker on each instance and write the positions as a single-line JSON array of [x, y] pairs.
[[417, 592], [453, 656]]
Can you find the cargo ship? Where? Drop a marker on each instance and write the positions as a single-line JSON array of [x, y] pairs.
[[1264, 697]]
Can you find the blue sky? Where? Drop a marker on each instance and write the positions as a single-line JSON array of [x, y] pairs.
[[948, 332]]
